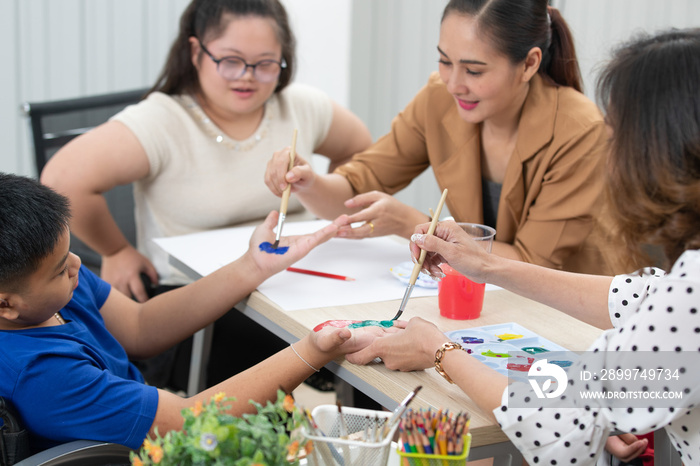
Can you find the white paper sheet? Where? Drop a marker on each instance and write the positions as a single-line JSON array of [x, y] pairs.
[[368, 261]]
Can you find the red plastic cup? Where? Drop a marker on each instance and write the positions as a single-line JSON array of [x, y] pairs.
[[458, 297]]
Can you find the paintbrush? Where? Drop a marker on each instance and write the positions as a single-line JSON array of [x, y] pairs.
[[343, 427], [326, 449], [400, 409], [419, 264], [285, 194]]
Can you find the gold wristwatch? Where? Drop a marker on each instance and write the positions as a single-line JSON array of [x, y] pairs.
[[447, 346]]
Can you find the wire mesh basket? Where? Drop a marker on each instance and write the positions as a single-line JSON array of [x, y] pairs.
[[367, 442]]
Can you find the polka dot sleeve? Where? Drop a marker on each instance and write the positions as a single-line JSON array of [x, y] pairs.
[[627, 291], [658, 326]]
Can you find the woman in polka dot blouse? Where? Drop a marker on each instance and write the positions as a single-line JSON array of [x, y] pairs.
[[643, 368]]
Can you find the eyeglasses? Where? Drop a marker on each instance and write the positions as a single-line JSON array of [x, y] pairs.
[[233, 68]]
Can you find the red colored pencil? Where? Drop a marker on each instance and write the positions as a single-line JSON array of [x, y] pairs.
[[320, 274]]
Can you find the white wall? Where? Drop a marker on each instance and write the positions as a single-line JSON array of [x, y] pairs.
[[57, 49], [599, 25], [322, 29], [370, 55]]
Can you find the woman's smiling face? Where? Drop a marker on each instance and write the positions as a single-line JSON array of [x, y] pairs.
[[483, 81]]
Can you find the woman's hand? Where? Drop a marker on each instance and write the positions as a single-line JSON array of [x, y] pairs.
[[340, 341], [278, 175], [123, 271], [382, 215], [409, 350], [626, 447], [452, 245]]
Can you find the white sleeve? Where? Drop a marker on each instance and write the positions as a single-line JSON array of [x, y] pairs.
[[628, 291]]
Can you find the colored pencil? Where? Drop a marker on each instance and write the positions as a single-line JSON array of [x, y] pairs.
[[320, 274], [426, 443], [404, 442], [418, 435]]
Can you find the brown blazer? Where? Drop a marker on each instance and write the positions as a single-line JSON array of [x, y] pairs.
[[553, 187]]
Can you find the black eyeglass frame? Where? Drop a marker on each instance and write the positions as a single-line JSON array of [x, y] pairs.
[[282, 64]]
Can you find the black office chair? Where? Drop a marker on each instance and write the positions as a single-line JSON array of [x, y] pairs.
[[14, 440], [15, 449], [54, 123]]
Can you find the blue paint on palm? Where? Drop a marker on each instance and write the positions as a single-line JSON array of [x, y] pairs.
[[267, 247]]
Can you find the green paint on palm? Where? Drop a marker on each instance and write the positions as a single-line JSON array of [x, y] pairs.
[[372, 323]]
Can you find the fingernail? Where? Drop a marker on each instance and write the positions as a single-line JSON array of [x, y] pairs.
[[418, 238]]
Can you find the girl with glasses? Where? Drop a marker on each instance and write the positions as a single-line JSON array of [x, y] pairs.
[[196, 148]]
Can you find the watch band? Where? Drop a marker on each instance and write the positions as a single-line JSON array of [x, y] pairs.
[[447, 346]]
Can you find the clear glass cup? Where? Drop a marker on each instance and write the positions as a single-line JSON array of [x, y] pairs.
[[458, 297]]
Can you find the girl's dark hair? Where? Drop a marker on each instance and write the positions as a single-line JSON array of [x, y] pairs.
[[514, 27], [206, 20], [650, 92], [33, 219]]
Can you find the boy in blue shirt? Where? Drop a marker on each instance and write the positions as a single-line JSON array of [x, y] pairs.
[[66, 336]]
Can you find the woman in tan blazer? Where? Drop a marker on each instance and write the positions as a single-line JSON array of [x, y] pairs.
[[505, 128]]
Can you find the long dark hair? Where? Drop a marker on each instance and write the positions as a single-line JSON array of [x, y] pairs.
[[514, 27], [650, 92], [207, 19]]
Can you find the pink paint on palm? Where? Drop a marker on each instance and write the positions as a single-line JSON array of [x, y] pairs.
[[335, 323]]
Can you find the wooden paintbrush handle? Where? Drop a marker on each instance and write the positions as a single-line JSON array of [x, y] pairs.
[[433, 224], [288, 189], [285, 199]]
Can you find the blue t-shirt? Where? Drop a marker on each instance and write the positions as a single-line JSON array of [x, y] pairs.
[[75, 381]]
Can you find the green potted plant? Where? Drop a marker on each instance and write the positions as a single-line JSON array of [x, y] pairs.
[[211, 436]]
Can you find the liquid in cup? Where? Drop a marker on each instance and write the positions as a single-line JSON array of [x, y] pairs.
[[458, 297]]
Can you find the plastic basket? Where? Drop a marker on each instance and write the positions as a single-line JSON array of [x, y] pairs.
[[330, 450], [422, 459]]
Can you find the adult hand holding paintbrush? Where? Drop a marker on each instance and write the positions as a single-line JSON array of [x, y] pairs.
[[285, 194], [419, 263]]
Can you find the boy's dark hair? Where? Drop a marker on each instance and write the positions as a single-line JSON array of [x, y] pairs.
[[33, 218]]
